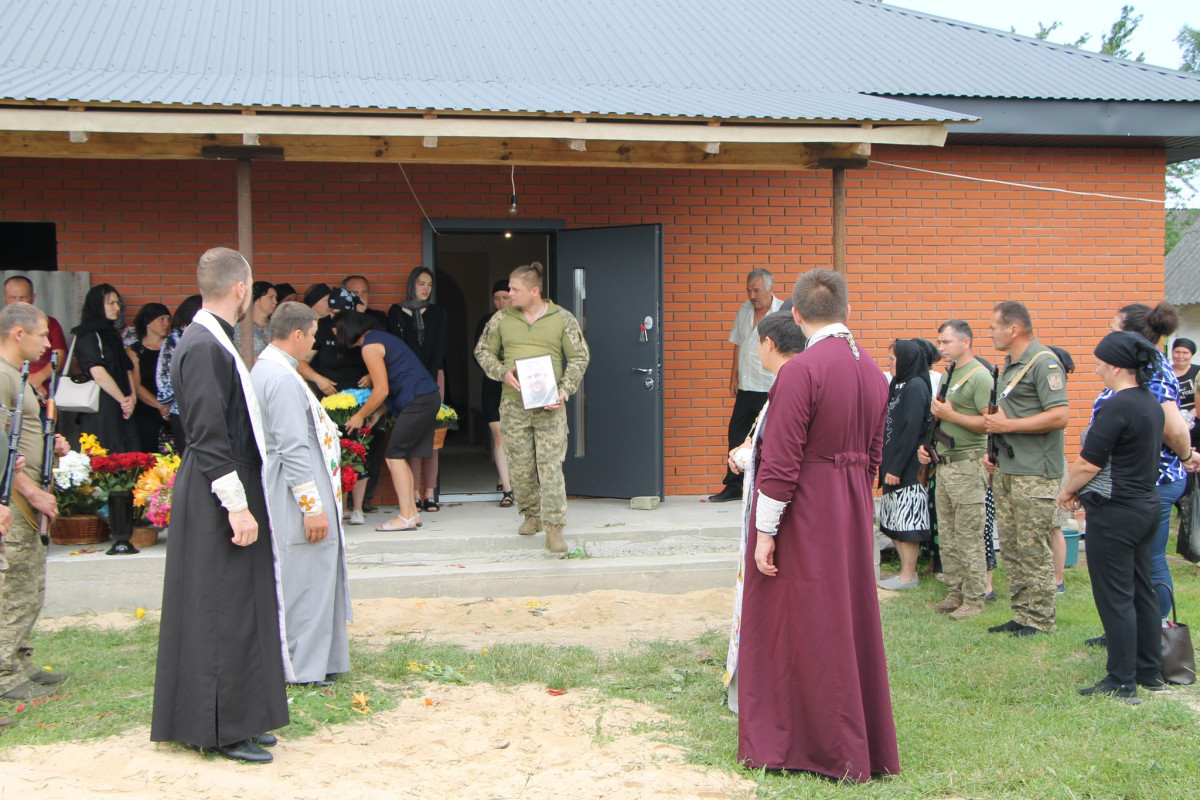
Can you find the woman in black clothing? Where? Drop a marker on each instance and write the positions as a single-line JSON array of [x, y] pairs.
[[904, 508], [1114, 480], [152, 325], [422, 326], [1182, 351], [101, 355]]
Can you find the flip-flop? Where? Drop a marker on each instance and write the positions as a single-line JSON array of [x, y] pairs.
[[406, 520]]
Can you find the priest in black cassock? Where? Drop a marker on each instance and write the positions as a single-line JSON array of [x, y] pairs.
[[222, 655]]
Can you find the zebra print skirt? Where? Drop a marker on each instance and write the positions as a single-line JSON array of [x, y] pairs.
[[904, 513]]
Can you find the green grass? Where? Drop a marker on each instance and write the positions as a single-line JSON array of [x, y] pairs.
[[978, 715]]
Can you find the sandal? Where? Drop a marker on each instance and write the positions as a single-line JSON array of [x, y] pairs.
[[431, 505], [507, 500], [409, 523]]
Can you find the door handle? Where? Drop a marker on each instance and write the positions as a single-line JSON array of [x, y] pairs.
[[643, 370]]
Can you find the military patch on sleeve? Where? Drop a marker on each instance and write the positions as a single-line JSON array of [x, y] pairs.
[[1055, 381]]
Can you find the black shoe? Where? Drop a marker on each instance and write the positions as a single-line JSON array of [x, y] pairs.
[[314, 684], [1155, 684], [726, 495], [1026, 630], [368, 507], [1099, 641], [265, 740], [244, 750], [49, 678], [1106, 689], [990, 597], [1009, 627]]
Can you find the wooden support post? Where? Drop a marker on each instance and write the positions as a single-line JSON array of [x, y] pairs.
[[245, 225], [839, 219]]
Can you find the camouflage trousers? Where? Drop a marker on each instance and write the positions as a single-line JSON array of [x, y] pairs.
[[535, 443], [1024, 516], [21, 598], [961, 488]]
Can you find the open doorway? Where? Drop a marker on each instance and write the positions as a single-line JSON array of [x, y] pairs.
[[467, 265]]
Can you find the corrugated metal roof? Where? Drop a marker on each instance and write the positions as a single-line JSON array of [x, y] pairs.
[[782, 59], [1182, 266]]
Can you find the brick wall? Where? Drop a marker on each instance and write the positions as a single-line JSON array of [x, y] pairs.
[[921, 248]]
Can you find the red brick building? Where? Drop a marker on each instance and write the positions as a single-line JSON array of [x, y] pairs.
[[136, 207]]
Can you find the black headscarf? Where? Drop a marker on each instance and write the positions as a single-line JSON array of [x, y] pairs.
[[283, 290], [414, 305], [148, 313], [502, 286], [93, 317], [914, 357], [315, 294], [259, 289], [1129, 351], [1187, 343]]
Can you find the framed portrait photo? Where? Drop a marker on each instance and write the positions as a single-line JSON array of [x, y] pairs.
[[536, 376]]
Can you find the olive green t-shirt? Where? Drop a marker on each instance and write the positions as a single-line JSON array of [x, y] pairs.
[[1044, 386], [969, 392], [31, 423]]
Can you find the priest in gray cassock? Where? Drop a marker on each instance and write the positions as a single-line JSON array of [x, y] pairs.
[[304, 491]]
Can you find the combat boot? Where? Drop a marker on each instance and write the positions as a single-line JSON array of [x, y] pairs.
[[966, 611], [951, 603], [554, 539], [530, 526]]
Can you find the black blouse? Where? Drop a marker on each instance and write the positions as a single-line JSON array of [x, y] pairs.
[[432, 350], [104, 349]]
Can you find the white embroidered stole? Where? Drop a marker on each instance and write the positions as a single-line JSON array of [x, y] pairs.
[[328, 436]]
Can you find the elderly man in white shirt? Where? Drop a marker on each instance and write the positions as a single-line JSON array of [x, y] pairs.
[[748, 381]]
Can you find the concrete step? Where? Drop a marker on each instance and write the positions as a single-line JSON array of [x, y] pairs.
[[467, 550]]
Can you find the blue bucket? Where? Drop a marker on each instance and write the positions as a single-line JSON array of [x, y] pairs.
[[1072, 538]]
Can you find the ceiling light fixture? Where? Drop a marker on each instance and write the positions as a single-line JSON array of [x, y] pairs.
[[512, 211]]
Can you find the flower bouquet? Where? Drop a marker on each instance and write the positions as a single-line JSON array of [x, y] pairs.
[[353, 460], [154, 489], [446, 419], [341, 407], [73, 489], [345, 404]]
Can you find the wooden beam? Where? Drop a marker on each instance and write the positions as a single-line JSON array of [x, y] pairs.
[[839, 219], [366, 149], [509, 128], [245, 223]]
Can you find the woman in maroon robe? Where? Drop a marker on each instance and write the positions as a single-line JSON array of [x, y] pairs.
[[813, 687]]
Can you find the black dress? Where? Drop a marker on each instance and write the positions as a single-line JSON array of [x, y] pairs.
[[1187, 399], [430, 346], [220, 675], [146, 419], [103, 348]]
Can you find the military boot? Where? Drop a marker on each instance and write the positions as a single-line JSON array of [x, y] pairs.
[[951, 603], [530, 526], [554, 539], [966, 611]]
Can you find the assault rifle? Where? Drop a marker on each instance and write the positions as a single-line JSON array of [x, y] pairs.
[[14, 439], [935, 432], [994, 440], [49, 422]]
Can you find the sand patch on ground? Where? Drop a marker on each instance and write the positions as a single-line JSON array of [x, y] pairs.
[[475, 741]]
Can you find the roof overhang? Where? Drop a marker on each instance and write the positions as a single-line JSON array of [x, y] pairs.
[[1171, 126], [301, 135]]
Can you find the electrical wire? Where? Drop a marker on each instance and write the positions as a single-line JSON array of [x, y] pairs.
[[1021, 185], [414, 195]]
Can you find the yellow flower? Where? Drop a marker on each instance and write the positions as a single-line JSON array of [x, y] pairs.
[[90, 445], [339, 401]]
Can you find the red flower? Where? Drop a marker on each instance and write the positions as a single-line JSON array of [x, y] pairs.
[[364, 432], [349, 478], [356, 448]]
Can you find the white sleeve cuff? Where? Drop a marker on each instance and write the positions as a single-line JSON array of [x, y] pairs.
[[767, 513], [229, 490], [308, 499]]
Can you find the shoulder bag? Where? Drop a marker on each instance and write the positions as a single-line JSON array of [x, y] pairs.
[[1178, 657], [79, 394]]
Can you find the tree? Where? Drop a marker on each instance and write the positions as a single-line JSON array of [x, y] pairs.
[[1183, 179], [1122, 31]]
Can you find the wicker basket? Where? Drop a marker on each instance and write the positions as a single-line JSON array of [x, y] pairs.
[[79, 529], [439, 437], [144, 536]]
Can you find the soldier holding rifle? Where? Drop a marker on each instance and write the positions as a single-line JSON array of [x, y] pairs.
[[23, 337], [1031, 415], [959, 491]]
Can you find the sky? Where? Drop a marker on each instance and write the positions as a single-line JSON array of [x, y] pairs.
[[1161, 20]]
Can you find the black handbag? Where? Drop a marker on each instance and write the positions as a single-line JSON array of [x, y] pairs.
[[1178, 657], [1187, 544]]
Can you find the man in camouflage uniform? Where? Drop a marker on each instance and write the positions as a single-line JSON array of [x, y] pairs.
[[535, 440], [23, 337], [1032, 399], [960, 487]]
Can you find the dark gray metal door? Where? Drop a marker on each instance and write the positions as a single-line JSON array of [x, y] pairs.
[[611, 279]]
